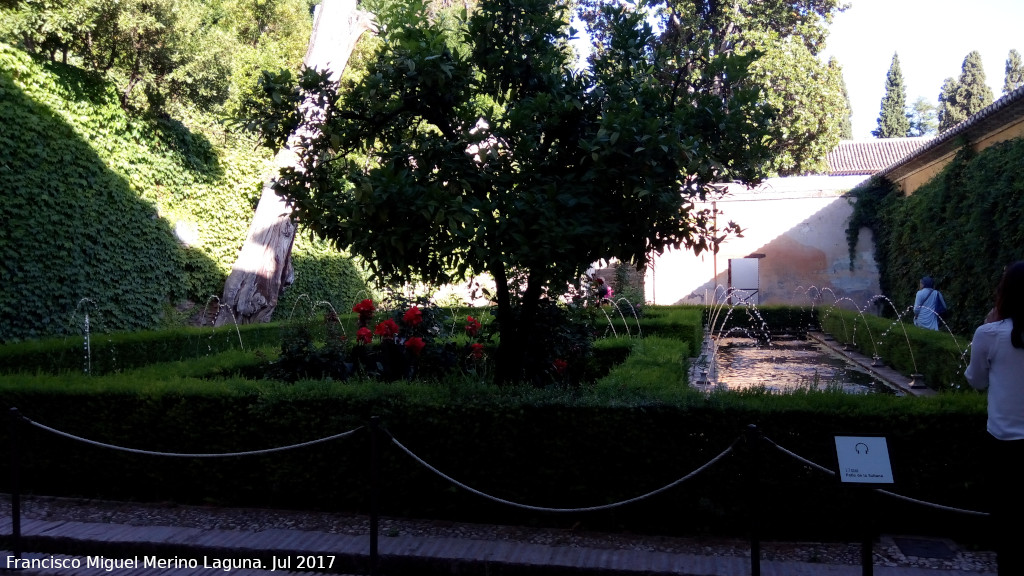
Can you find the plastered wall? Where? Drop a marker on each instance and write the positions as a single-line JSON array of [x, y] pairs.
[[799, 226]]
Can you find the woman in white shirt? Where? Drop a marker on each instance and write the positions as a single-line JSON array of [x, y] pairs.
[[997, 365]]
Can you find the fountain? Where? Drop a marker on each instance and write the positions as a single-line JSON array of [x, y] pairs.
[[84, 304], [736, 357]]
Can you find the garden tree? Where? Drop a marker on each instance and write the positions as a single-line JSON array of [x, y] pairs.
[[966, 96], [264, 269], [487, 151], [922, 117], [846, 128], [1014, 77], [892, 119], [784, 35]]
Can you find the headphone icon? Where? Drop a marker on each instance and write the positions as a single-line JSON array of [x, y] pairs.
[[858, 445]]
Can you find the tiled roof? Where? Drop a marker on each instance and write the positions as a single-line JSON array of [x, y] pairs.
[[867, 157]]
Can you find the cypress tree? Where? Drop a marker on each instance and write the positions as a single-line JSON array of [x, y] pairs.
[[973, 94], [949, 114], [1014, 72], [962, 98], [892, 120]]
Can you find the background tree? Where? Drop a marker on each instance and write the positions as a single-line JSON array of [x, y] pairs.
[[168, 51], [1014, 77], [892, 119], [948, 114], [846, 127], [808, 95], [487, 151], [783, 36], [923, 119], [966, 96]]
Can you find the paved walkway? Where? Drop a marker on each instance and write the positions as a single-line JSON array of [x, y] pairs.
[[99, 549]]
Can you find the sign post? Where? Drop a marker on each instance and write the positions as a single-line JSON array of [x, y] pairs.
[[864, 461]]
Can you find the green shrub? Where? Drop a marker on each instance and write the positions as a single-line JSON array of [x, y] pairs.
[[939, 355]]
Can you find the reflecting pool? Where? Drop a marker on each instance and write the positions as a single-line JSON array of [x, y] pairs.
[[787, 364]]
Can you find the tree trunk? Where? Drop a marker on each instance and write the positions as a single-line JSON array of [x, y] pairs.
[[264, 269]]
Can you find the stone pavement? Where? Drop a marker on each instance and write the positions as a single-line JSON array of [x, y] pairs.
[[101, 549]]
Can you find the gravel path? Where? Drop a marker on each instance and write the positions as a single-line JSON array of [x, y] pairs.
[[886, 551]]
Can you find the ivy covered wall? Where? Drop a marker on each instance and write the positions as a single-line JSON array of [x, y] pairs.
[[90, 199], [961, 228]]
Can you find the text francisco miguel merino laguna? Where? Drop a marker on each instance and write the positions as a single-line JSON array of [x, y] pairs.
[[135, 562]]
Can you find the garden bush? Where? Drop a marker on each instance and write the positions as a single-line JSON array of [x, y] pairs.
[[940, 356]]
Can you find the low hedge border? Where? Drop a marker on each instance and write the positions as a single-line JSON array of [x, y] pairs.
[[940, 356]]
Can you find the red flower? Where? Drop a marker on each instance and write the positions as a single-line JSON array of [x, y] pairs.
[[366, 306], [365, 310], [476, 350], [387, 329], [363, 335], [472, 326], [413, 316], [560, 365], [415, 345]]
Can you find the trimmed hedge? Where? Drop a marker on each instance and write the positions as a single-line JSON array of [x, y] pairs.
[[110, 353], [940, 356], [552, 449]]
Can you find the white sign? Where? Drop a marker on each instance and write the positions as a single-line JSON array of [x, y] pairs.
[[744, 280], [863, 459]]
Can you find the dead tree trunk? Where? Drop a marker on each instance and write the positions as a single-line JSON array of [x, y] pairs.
[[264, 266]]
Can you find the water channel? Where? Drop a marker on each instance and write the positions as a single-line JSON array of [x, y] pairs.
[[787, 364]]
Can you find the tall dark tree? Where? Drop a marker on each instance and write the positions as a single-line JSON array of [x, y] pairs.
[[1014, 77], [966, 96], [489, 152], [892, 119]]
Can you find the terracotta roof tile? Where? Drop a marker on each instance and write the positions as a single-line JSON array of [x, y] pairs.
[[869, 156]]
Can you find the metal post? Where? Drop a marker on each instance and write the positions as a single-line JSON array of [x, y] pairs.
[[374, 492], [867, 545], [753, 438], [12, 428]]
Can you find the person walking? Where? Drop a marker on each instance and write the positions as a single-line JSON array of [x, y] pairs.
[[997, 365], [928, 304]]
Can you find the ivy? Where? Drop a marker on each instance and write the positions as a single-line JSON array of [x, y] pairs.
[[961, 228], [90, 198]]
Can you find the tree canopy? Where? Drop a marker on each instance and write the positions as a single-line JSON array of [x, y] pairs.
[[963, 97], [204, 53], [922, 117], [1014, 77], [892, 119], [783, 40], [846, 127], [486, 150]]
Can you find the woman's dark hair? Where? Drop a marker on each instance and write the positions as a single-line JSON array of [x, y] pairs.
[[1010, 300]]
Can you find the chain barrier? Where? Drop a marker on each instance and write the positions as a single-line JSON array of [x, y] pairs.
[[655, 492], [183, 455], [879, 490], [482, 494]]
